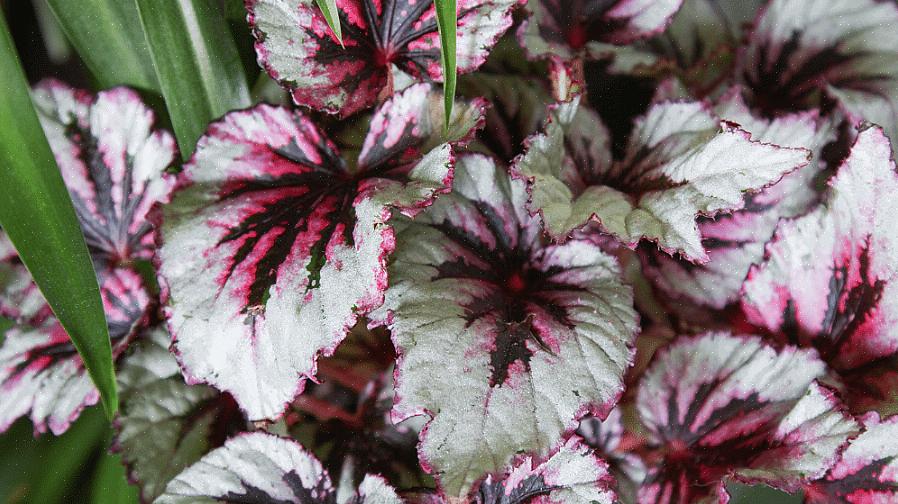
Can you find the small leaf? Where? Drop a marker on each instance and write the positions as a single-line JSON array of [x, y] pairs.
[[37, 214], [108, 37], [447, 21], [332, 16], [196, 62]]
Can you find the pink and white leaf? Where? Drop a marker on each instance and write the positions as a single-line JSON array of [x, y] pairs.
[[272, 247], [261, 467], [297, 48], [721, 406]]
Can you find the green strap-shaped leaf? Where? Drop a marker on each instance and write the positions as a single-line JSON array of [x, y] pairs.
[[108, 37], [37, 215], [197, 64], [332, 16], [447, 21]]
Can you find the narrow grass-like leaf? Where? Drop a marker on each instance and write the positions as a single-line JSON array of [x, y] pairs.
[[37, 215], [108, 37], [332, 16], [196, 62], [447, 21]]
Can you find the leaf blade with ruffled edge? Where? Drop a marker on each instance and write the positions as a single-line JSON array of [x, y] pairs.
[[294, 243], [476, 294], [295, 46], [680, 163], [845, 304]]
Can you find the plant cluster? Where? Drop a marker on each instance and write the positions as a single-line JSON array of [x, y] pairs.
[[652, 250]]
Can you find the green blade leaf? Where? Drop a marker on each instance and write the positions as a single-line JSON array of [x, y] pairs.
[[108, 37], [37, 215], [197, 64], [332, 16], [447, 21]]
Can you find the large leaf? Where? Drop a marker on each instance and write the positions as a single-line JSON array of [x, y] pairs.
[[196, 62], [275, 244], [802, 51], [37, 214], [722, 406], [829, 280], [503, 339], [298, 50], [681, 162], [110, 40], [261, 467]]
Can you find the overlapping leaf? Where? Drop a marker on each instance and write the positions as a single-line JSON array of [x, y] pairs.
[[503, 339], [166, 425], [829, 280], [867, 470], [565, 29], [681, 162], [605, 437], [572, 474], [729, 406], [296, 47], [275, 244], [261, 467], [41, 371], [736, 240], [802, 51], [112, 162]]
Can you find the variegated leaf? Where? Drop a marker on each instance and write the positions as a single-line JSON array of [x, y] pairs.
[[681, 162], [730, 406], [829, 280], [801, 50], [261, 467], [605, 436], [274, 244], [735, 241], [572, 474], [41, 372], [296, 47], [533, 335], [564, 29], [867, 471], [165, 425], [112, 162]]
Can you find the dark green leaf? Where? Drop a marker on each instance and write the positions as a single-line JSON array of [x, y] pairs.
[[329, 9], [108, 37], [447, 20], [37, 215], [196, 62], [110, 482]]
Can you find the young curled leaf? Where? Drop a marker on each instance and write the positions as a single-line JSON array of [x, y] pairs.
[[534, 335], [721, 406], [261, 467], [274, 244], [296, 47], [681, 162], [734, 241]]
